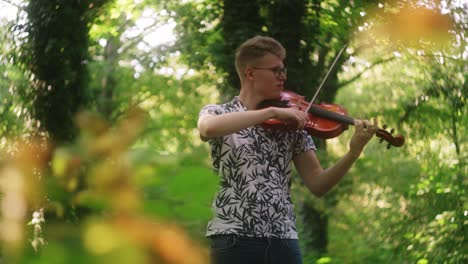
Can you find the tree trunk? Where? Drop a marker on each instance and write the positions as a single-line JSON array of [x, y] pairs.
[[315, 231], [241, 20], [287, 27], [57, 56]]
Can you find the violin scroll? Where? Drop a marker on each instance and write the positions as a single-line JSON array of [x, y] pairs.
[[384, 135]]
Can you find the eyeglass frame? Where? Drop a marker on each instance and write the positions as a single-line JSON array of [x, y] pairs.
[[275, 70]]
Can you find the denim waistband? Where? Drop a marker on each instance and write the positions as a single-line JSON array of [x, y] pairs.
[[248, 238]]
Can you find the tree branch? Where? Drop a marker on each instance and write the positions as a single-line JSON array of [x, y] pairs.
[[411, 106], [357, 76], [137, 39]]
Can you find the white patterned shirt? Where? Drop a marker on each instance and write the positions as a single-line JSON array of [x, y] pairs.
[[255, 168]]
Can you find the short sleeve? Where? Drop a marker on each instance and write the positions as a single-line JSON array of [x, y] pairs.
[[303, 143], [211, 109]]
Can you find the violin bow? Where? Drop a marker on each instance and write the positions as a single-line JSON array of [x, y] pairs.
[[396, 141], [325, 78]]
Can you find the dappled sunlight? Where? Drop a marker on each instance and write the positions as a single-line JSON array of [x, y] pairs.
[[209, 93], [375, 206], [379, 197], [410, 25], [440, 149], [414, 24], [337, 145], [372, 197]]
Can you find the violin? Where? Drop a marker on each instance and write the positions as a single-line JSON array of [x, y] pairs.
[[326, 120]]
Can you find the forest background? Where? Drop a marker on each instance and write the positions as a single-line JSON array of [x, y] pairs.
[[101, 161]]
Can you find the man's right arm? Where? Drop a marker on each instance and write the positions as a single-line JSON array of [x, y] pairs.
[[211, 126]]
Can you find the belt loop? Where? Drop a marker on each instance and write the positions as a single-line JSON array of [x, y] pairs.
[[267, 251]]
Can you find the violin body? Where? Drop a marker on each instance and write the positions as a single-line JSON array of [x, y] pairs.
[[326, 120], [326, 128], [319, 126]]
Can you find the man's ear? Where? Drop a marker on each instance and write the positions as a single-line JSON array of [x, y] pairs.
[[249, 73]]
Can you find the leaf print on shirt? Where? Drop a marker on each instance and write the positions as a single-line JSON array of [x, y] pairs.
[[254, 166]]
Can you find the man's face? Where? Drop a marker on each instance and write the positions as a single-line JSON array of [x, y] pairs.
[[268, 75]]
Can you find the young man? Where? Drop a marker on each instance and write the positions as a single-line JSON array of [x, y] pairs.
[[254, 219]]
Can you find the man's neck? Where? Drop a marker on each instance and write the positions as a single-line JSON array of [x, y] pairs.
[[248, 98]]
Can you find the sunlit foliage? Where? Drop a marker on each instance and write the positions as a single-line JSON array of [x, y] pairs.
[[414, 211], [130, 180]]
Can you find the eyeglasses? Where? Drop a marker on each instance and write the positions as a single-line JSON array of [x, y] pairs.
[[277, 71]]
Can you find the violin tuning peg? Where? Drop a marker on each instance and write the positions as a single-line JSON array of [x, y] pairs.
[[384, 126], [381, 140], [392, 130]]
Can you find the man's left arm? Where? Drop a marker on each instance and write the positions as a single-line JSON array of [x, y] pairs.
[[320, 181]]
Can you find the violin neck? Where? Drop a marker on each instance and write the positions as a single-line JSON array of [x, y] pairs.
[[320, 112]]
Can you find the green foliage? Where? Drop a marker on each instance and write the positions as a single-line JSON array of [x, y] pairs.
[[309, 31], [124, 74], [177, 189], [403, 205], [413, 212], [14, 113]]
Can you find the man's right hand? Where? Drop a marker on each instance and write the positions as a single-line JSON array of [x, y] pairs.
[[292, 116]]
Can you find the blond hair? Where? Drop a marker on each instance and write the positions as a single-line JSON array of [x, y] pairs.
[[254, 49]]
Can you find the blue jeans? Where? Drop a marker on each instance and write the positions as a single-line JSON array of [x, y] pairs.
[[234, 249]]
